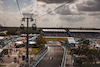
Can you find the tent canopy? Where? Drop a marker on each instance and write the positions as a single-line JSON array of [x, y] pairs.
[[1, 37], [71, 40], [31, 42], [1, 50], [97, 45], [19, 42]]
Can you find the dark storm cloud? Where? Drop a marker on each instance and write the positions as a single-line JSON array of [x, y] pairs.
[[90, 5], [56, 1]]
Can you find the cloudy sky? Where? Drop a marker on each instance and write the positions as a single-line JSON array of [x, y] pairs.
[[76, 13]]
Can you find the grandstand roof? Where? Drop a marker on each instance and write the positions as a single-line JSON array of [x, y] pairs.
[[84, 30], [54, 30]]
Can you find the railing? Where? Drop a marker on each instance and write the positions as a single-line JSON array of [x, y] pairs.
[[64, 56], [7, 42], [39, 57]]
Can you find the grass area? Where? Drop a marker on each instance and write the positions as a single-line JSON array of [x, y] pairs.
[[56, 39], [35, 50], [2, 65], [68, 53], [68, 48]]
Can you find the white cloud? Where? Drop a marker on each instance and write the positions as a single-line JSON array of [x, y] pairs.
[[1, 2], [76, 19], [15, 1], [9, 7], [25, 4], [39, 8], [1, 6], [67, 16], [10, 19]]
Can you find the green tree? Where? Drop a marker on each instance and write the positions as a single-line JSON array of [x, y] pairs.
[[2, 34], [92, 55], [83, 49], [41, 41]]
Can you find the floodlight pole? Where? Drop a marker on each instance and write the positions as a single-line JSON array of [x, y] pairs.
[[27, 58]]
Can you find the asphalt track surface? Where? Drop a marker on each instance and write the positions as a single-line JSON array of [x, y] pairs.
[[57, 53]]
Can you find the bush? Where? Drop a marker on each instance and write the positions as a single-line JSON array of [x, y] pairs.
[[21, 45], [79, 62], [17, 46], [2, 34], [5, 51]]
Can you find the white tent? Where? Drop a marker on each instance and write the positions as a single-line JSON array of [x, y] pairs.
[[97, 45], [71, 40], [23, 54], [30, 34], [24, 35], [19, 42], [1, 50], [1, 37], [31, 42], [33, 38]]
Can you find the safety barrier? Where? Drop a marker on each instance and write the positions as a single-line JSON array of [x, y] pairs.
[[8, 42], [42, 54], [64, 56]]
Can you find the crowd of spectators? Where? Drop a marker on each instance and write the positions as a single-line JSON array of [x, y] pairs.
[[56, 34], [73, 34], [85, 35], [76, 33]]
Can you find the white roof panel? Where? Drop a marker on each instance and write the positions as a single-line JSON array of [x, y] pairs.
[[54, 30], [84, 30]]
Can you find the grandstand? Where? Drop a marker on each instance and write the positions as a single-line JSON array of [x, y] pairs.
[[55, 32], [77, 33], [85, 33]]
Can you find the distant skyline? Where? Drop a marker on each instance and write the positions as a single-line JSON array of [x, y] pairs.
[[78, 13]]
